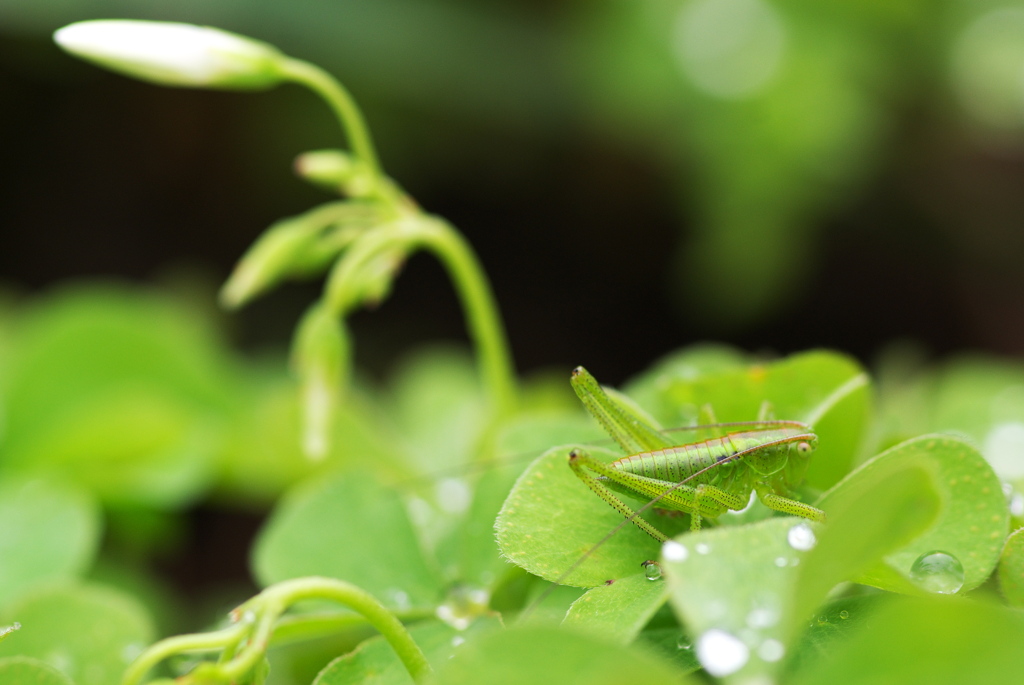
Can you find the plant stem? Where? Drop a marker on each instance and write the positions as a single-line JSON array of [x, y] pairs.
[[349, 116], [303, 627], [288, 592], [480, 309], [199, 642]]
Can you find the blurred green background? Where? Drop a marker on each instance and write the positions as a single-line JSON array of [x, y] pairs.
[[637, 175], [780, 174]]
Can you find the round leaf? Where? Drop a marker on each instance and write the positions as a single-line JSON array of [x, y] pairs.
[[88, 632], [47, 530], [551, 520], [618, 612], [1011, 569], [353, 528], [374, 662], [735, 584], [23, 670], [973, 518], [539, 654]]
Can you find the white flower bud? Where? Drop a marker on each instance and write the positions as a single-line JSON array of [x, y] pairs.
[[173, 54]]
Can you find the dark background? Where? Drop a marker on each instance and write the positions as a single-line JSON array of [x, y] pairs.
[[487, 116]]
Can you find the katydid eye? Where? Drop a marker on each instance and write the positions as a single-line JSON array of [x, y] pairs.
[[803, 447]]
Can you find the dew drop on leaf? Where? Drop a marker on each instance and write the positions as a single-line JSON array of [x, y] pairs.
[[762, 618], [720, 653], [1017, 505], [771, 650], [844, 614], [938, 572], [652, 570], [683, 642], [801, 537], [674, 551]]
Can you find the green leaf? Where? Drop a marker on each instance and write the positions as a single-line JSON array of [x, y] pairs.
[[470, 552], [23, 670], [864, 525], [162, 454], [47, 531], [925, 640], [541, 654], [828, 627], [353, 528], [827, 389], [374, 662], [973, 519], [264, 455], [88, 632], [438, 405], [119, 389], [672, 644], [1011, 569], [732, 588], [551, 520], [618, 612]]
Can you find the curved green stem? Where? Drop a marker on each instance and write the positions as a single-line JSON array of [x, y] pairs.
[[486, 329], [349, 116], [480, 309], [284, 594], [199, 642], [302, 627]]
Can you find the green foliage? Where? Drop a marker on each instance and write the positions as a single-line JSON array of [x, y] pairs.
[[368, 540], [118, 400], [50, 531], [544, 654], [23, 670], [89, 633]]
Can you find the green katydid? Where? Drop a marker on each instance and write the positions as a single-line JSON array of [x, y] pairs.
[[703, 478]]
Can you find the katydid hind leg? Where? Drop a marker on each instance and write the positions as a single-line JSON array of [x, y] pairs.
[[579, 462]]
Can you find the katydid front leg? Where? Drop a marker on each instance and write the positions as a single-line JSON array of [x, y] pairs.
[[789, 506]]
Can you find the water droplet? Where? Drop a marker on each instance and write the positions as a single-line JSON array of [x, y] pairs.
[[400, 598], [457, 640], [823, 620], [1007, 490], [938, 571], [1003, 446], [453, 495], [762, 618], [652, 570], [448, 615], [720, 653], [780, 561], [771, 650], [801, 537], [844, 614], [674, 551], [1017, 505], [683, 642], [703, 548]]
